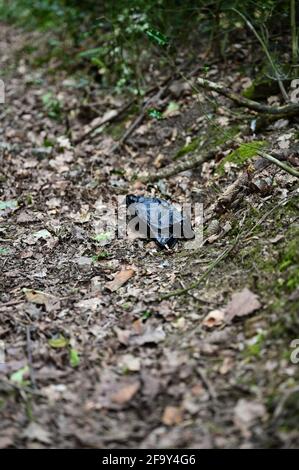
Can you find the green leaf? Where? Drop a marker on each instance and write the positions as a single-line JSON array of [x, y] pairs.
[[100, 237], [59, 342], [157, 37], [154, 113], [18, 376], [101, 255], [146, 314], [171, 109], [74, 358], [90, 53]]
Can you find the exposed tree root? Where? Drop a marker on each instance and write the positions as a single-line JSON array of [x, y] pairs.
[[185, 165], [287, 110]]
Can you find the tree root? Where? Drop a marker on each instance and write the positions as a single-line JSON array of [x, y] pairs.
[[195, 160], [288, 110]]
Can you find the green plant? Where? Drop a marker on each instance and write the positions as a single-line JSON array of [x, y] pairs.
[[52, 105]]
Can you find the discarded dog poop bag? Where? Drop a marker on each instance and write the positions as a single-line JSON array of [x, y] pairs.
[[158, 220]]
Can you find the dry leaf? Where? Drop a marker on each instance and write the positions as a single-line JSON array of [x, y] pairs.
[[129, 362], [89, 304], [5, 442], [227, 365], [214, 318], [149, 336], [246, 413], [126, 393], [242, 303], [123, 336], [34, 432], [120, 279], [42, 298], [172, 415]]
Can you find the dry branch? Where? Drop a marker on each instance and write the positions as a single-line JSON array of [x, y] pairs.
[[287, 110], [292, 171], [185, 165]]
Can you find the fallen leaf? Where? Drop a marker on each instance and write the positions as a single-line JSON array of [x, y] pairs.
[[214, 318], [5, 442], [42, 234], [149, 336], [10, 204], [172, 415], [42, 298], [123, 336], [242, 303], [276, 239], [172, 109], [89, 304], [126, 393], [120, 279], [130, 363], [246, 414], [226, 366], [34, 432]]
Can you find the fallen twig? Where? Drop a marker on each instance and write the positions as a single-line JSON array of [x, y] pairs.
[[162, 88], [279, 163], [185, 165], [29, 355], [141, 116], [287, 110], [202, 374], [281, 404], [20, 389], [109, 119], [201, 278]]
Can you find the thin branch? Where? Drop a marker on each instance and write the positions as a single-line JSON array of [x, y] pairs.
[[282, 165], [191, 162], [201, 278], [225, 253], [107, 120], [141, 116], [174, 169], [161, 89], [287, 110], [268, 55], [29, 355]]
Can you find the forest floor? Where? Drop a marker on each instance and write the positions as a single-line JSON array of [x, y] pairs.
[[93, 361]]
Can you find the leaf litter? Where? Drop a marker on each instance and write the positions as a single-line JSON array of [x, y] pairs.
[[195, 370]]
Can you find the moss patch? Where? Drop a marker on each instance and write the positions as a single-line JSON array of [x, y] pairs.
[[243, 153], [188, 148], [213, 138]]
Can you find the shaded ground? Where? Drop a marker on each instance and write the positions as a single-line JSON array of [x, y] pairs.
[[89, 367]]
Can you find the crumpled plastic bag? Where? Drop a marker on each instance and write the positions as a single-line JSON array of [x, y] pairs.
[[158, 220]]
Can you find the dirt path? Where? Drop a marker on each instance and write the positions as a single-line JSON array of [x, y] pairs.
[[88, 367]]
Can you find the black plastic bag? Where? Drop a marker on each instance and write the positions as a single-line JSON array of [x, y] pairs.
[[158, 220]]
